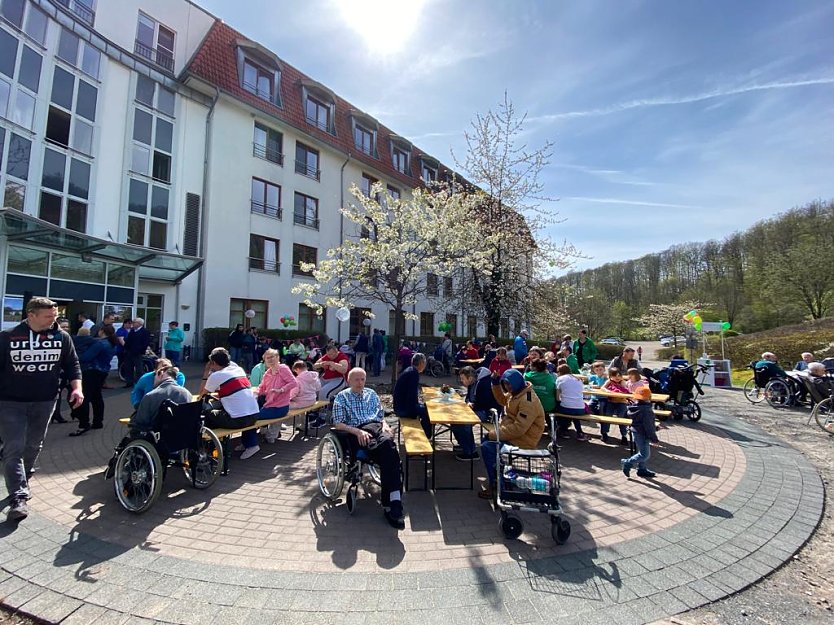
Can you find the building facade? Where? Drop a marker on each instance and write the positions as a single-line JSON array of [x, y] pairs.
[[157, 162]]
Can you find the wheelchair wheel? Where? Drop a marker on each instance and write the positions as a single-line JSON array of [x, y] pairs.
[[373, 473], [352, 495], [823, 415], [753, 392], [693, 411], [206, 461], [138, 476], [559, 530], [330, 466], [511, 526], [437, 369], [778, 393]]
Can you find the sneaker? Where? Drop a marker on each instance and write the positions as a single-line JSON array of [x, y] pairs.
[[394, 515], [249, 452], [240, 447], [624, 441], [464, 457], [486, 493], [284, 426], [626, 467], [646, 473], [18, 510], [582, 436]]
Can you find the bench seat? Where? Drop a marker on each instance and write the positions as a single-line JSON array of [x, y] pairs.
[[290, 416], [417, 447]]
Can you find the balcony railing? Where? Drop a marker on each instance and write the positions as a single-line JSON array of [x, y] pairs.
[[306, 170], [321, 125], [306, 220], [159, 56], [261, 264], [267, 153], [266, 209], [83, 12], [297, 271]]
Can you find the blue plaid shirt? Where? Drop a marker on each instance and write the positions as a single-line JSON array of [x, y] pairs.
[[355, 410]]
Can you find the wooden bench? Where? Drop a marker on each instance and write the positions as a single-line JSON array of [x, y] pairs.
[[413, 439]]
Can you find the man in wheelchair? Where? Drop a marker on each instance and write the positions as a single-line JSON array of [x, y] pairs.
[[768, 368], [165, 386], [358, 414]]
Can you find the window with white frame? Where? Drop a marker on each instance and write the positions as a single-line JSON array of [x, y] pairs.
[[65, 190], [148, 208], [25, 16], [268, 144], [20, 77], [154, 96], [400, 159], [264, 253], [72, 111], [15, 153], [78, 53], [428, 172], [155, 42], [266, 198], [319, 107], [85, 9], [364, 140], [259, 72]]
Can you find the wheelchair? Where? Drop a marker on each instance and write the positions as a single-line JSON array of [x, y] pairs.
[[335, 466], [178, 439]]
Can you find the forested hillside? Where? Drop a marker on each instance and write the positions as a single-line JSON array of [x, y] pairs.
[[779, 271]]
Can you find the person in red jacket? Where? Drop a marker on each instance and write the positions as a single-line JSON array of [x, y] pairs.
[[501, 362]]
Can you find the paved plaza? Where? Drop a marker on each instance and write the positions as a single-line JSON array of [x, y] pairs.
[[730, 504]]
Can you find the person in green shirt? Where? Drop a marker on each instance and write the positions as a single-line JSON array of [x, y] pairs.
[[543, 384], [584, 350], [296, 351], [173, 343]]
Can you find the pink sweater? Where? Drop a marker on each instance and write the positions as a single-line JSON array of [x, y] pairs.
[[274, 381], [307, 390]]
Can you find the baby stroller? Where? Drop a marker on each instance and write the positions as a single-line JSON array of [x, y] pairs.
[[528, 480], [680, 383]]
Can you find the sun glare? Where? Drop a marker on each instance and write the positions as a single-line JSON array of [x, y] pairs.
[[385, 25]]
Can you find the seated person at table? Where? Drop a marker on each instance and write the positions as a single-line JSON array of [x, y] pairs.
[[237, 407], [500, 363], [407, 393], [570, 402], [480, 399], [570, 360], [770, 365], [309, 385], [333, 365], [543, 383], [522, 424], [625, 361], [165, 386], [807, 359], [616, 407], [358, 413], [634, 380], [820, 384], [146, 382], [597, 378], [460, 356], [471, 351]]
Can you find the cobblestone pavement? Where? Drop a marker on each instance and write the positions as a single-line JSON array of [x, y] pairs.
[[730, 504]]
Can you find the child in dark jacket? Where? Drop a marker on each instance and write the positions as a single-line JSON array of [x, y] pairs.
[[642, 426]]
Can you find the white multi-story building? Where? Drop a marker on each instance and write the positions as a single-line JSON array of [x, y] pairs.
[[157, 162]]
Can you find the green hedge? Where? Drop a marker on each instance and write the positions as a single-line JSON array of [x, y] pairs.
[[219, 337]]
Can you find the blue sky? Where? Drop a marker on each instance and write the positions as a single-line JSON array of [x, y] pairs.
[[672, 121]]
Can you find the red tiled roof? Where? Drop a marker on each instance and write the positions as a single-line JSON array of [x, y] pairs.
[[216, 63]]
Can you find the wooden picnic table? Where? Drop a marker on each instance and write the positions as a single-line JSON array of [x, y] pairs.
[[472, 361], [443, 414], [600, 392]]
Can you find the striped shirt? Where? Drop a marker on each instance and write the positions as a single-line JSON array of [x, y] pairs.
[[233, 389], [354, 409]]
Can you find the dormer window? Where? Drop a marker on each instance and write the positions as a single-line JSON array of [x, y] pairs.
[[319, 106], [428, 170], [259, 71], [364, 132], [401, 155]]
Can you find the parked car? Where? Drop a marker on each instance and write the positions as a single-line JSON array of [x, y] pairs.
[[612, 340], [669, 341]]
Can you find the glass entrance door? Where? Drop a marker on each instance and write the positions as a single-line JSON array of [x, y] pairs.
[[149, 307]]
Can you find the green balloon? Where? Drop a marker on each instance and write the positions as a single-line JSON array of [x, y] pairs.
[[725, 325]]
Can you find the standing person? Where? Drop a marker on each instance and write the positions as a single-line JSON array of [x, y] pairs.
[[407, 393], [446, 348], [236, 342], [85, 322], [567, 344], [121, 335], [173, 344], [584, 349], [361, 347], [33, 356], [377, 349], [382, 357], [334, 368], [95, 365], [520, 346], [136, 344], [640, 352], [238, 407], [643, 429], [63, 324], [277, 387], [247, 349]]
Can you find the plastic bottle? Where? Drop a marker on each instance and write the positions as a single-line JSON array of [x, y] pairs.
[[539, 484]]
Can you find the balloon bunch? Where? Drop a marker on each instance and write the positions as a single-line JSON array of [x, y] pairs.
[[694, 318], [444, 326], [287, 321]]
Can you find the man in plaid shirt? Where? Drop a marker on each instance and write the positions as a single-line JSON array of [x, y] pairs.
[[358, 413]]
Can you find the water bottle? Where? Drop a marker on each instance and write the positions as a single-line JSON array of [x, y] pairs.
[[522, 482], [539, 484]]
